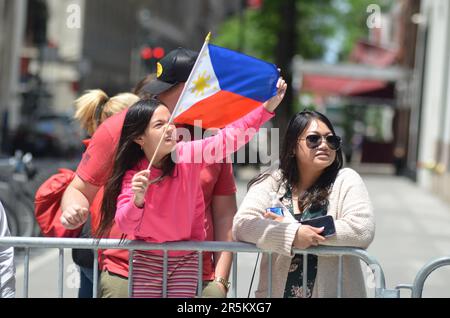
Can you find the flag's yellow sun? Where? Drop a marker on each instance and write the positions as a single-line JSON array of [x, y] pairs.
[[201, 84]]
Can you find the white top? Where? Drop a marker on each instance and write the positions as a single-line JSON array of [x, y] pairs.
[[351, 209], [7, 269]]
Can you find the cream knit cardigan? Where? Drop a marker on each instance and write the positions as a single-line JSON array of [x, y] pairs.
[[349, 205]]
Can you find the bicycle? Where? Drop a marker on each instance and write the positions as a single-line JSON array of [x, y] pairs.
[[17, 194]]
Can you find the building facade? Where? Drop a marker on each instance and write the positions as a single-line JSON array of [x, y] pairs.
[[434, 137], [53, 50], [115, 31]]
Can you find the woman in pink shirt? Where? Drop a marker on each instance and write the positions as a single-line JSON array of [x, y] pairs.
[[166, 204]]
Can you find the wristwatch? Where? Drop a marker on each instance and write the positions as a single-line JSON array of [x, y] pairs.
[[223, 281]]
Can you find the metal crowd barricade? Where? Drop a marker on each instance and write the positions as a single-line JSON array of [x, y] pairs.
[[199, 247], [419, 281]]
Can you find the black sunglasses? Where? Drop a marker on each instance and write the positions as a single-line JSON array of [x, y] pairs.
[[313, 141]]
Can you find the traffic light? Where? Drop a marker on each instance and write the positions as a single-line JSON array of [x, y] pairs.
[[158, 52], [146, 53], [254, 4], [151, 55]]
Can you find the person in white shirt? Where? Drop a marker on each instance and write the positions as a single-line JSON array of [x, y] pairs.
[[7, 269]]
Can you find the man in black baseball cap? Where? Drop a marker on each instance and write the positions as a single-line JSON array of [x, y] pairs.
[[172, 69]]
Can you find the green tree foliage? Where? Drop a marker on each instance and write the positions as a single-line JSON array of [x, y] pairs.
[[276, 33], [353, 22], [317, 22]]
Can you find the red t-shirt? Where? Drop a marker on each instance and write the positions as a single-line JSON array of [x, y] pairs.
[[96, 166], [216, 179]]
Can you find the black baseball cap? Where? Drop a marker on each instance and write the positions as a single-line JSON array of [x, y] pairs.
[[172, 69]]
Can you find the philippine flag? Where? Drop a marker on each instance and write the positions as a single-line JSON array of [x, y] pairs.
[[224, 85]]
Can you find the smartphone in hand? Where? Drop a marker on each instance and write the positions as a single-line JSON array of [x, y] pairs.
[[322, 221]]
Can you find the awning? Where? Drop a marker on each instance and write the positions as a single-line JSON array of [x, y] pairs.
[[339, 86], [371, 73]]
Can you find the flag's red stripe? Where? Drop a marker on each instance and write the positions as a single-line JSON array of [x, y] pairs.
[[218, 110]]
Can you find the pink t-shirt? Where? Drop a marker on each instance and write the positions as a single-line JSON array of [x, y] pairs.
[[174, 208]]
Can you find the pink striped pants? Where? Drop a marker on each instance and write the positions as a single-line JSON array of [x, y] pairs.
[[182, 275]]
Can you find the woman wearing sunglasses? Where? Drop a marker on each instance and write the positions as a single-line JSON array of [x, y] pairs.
[[310, 183]]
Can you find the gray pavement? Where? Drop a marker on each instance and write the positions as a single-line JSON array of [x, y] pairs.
[[43, 274], [412, 229]]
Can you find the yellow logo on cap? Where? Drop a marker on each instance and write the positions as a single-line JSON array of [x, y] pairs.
[[159, 69]]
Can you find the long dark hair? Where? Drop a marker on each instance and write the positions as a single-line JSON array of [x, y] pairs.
[[317, 194], [128, 154]]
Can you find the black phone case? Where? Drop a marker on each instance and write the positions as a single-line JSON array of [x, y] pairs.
[[323, 221]]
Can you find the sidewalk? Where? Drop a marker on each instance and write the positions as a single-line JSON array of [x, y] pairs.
[[412, 228], [43, 274]]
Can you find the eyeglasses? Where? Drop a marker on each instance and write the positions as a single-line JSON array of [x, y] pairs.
[[314, 141]]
